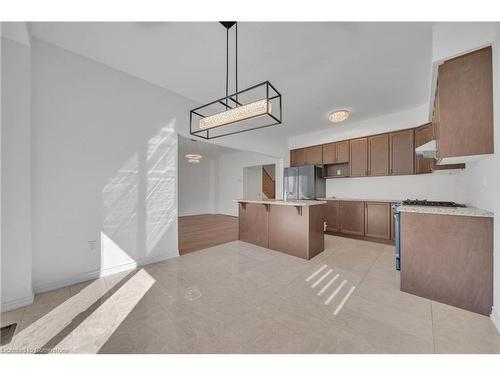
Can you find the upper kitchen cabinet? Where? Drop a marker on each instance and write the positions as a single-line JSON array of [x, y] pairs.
[[342, 152], [337, 152], [402, 152], [423, 134], [464, 106], [358, 155], [297, 157], [378, 155], [314, 155], [329, 153]]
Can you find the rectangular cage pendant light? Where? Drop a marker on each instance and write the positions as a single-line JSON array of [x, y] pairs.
[[254, 108]]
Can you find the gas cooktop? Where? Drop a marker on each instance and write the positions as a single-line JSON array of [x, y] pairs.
[[425, 202]]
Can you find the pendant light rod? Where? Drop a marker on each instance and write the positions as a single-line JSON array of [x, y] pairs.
[[228, 25]]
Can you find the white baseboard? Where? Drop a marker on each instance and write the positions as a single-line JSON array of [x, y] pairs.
[[495, 316], [17, 303], [95, 274]]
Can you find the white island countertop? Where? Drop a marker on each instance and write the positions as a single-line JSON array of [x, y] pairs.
[[457, 211], [295, 203]]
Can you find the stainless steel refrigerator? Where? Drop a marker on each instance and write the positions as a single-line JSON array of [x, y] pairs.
[[304, 182]]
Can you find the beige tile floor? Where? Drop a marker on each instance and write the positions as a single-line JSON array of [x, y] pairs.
[[240, 298]]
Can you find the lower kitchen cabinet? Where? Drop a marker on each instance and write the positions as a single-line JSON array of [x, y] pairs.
[[378, 220], [352, 217], [332, 216], [366, 220]]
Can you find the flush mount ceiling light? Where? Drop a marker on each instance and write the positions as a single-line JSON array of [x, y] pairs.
[[339, 116], [193, 160], [193, 156], [254, 108]]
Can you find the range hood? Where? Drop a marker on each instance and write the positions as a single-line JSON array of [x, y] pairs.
[[427, 150]]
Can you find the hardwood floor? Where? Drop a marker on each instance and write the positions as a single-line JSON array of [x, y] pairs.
[[198, 232]]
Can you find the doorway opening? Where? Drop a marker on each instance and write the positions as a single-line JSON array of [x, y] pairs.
[[259, 182]]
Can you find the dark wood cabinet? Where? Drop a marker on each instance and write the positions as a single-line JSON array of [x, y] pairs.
[[332, 216], [378, 220], [402, 151], [297, 157], [352, 219], [358, 150], [423, 134], [343, 152], [329, 153], [336, 153], [464, 105], [378, 155], [253, 224], [314, 155]]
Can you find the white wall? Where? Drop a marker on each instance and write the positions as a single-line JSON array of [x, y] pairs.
[[252, 182], [230, 181], [16, 170], [104, 168], [196, 186], [431, 187]]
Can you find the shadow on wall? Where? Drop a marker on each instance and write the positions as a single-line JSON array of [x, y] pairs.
[[139, 203]]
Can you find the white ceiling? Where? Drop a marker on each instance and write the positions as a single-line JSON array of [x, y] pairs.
[[369, 68]]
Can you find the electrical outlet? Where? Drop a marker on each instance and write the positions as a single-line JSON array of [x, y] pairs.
[[92, 245]]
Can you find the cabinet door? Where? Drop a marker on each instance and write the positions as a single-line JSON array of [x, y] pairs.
[[402, 152], [358, 157], [314, 155], [297, 157], [253, 228], [342, 152], [465, 100], [352, 218], [423, 134], [378, 220], [332, 216], [378, 155], [329, 153]]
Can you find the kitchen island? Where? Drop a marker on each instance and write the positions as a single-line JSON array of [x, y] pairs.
[[291, 227]]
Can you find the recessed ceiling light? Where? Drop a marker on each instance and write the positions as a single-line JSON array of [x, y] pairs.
[[339, 116], [193, 160], [193, 156]]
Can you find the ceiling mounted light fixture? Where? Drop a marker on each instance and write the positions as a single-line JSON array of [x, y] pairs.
[[254, 108], [339, 116], [193, 160], [193, 156]]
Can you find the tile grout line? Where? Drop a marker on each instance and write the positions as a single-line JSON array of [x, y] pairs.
[[369, 268]]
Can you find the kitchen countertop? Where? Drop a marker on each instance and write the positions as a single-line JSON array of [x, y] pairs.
[[282, 202], [359, 199], [457, 211]]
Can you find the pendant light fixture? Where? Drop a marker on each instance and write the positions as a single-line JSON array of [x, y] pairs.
[[253, 108]]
